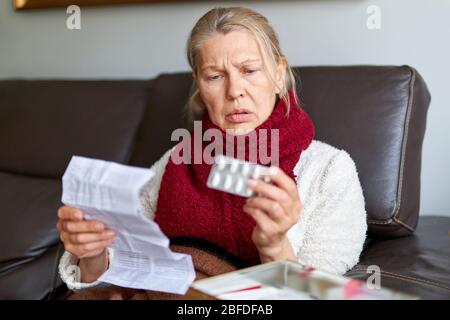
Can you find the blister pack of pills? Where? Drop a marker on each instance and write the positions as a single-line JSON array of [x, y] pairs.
[[232, 175]]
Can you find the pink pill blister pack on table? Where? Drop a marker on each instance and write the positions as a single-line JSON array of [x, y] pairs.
[[231, 175]]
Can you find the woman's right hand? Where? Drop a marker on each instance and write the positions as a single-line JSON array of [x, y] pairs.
[[86, 240]]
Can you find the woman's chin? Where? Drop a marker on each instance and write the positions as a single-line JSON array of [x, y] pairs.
[[241, 129]]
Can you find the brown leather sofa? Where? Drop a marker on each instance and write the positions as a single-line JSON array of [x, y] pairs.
[[376, 113]]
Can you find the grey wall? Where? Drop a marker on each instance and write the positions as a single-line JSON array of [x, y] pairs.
[[140, 41]]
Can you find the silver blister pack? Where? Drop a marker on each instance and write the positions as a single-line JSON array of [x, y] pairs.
[[231, 175]]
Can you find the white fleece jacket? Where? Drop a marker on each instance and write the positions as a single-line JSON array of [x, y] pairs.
[[332, 227]]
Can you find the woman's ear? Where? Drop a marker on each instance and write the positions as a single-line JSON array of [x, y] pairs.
[[280, 75]]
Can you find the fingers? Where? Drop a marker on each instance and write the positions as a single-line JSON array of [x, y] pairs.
[[80, 238], [272, 208], [268, 190], [271, 192], [82, 226], [283, 194], [262, 220], [266, 230], [282, 180], [70, 213], [71, 220]]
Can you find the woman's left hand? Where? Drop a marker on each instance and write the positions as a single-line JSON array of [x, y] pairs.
[[275, 209]]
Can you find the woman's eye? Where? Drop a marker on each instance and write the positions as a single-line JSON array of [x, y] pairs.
[[216, 77], [250, 71]]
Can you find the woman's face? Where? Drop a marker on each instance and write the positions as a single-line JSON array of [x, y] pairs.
[[234, 82]]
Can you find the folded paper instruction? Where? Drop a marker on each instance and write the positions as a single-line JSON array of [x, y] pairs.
[[110, 192]]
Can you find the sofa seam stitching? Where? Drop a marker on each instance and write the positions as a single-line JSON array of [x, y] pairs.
[[409, 278], [405, 142], [402, 161]]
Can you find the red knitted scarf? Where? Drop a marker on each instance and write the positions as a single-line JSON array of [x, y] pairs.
[[188, 208]]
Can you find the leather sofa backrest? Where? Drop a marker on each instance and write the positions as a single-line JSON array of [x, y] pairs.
[[44, 123], [376, 113]]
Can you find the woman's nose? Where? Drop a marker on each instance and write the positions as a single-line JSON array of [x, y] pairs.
[[235, 88]]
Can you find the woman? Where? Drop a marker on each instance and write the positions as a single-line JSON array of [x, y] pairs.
[[313, 209]]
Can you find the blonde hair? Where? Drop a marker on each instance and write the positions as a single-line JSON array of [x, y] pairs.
[[223, 21]]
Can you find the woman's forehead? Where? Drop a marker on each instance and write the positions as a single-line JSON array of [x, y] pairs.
[[238, 46]]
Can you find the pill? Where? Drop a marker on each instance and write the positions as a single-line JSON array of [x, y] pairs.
[[228, 182], [221, 163], [239, 185], [245, 169], [256, 172], [234, 166], [216, 179]]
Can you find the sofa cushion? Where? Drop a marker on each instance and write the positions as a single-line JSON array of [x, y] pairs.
[[33, 278], [28, 236], [28, 218], [44, 123], [378, 115], [417, 265]]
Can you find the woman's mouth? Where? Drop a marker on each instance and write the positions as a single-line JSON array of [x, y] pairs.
[[239, 115]]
